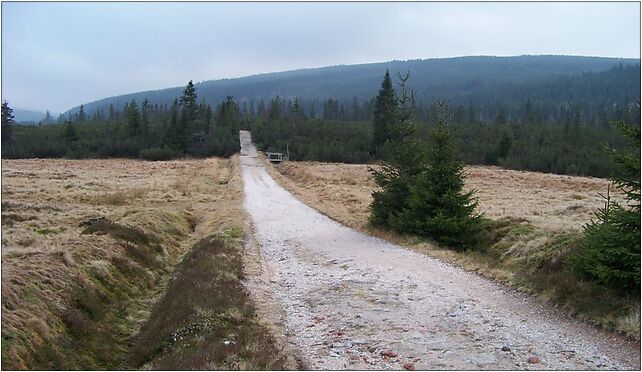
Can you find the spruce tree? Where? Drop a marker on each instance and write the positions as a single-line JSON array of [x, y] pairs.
[[384, 114], [404, 163], [82, 116], [145, 122], [297, 116], [188, 102], [69, 133], [275, 111], [609, 251], [7, 123], [296, 108], [176, 131], [437, 206], [133, 119]]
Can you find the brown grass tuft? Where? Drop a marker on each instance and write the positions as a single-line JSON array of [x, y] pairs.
[[92, 286], [215, 331]]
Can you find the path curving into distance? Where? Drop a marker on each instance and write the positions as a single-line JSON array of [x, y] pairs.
[[351, 301]]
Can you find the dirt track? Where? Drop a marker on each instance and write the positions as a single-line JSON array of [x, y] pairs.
[[357, 302]]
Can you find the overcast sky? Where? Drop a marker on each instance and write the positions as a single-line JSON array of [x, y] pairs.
[[59, 55]]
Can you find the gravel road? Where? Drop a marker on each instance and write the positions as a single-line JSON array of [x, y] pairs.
[[350, 301]]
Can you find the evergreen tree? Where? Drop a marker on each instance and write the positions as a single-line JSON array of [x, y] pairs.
[[82, 116], [133, 119], [505, 144], [145, 120], [609, 252], [403, 164], [261, 111], [208, 119], [176, 131], [188, 102], [355, 110], [437, 206], [275, 111], [228, 115], [7, 123], [384, 114], [297, 116], [296, 107], [70, 134]]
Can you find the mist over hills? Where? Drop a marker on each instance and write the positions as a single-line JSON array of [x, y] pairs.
[[23, 116], [586, 82]]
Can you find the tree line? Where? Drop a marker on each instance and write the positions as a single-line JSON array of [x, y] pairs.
[[570, 147], [144, 130]]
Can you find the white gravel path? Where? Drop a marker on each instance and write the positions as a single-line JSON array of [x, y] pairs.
[[351, 301]]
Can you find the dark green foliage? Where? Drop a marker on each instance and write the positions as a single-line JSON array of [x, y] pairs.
[[296, 106], [188, 101], [422, 192], [627, 175], [599, 87], [437, 206], [152, 132], [384, 115], [551, 148], [133, 119], [70, 133], [159, 153], [223, 138], [7, 123], [610, 249], [404, 161], [315, 139]]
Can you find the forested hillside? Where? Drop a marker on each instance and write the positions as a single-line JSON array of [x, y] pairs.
[[481, 87], [547, 114]]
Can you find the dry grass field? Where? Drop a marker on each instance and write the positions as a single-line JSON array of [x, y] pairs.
[[88, 247], [548, 201], [538, 220]]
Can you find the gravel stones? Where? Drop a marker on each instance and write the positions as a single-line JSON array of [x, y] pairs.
[[533, 360], [331, 274]]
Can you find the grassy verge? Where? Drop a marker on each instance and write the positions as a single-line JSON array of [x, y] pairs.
[[89, 247], [530, 259], [205, 319], [105, 299]]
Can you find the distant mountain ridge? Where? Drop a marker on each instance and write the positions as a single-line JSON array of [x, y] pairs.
[[482, 79], [29, 116]]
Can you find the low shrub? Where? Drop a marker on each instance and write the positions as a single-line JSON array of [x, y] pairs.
[[159, 153]]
